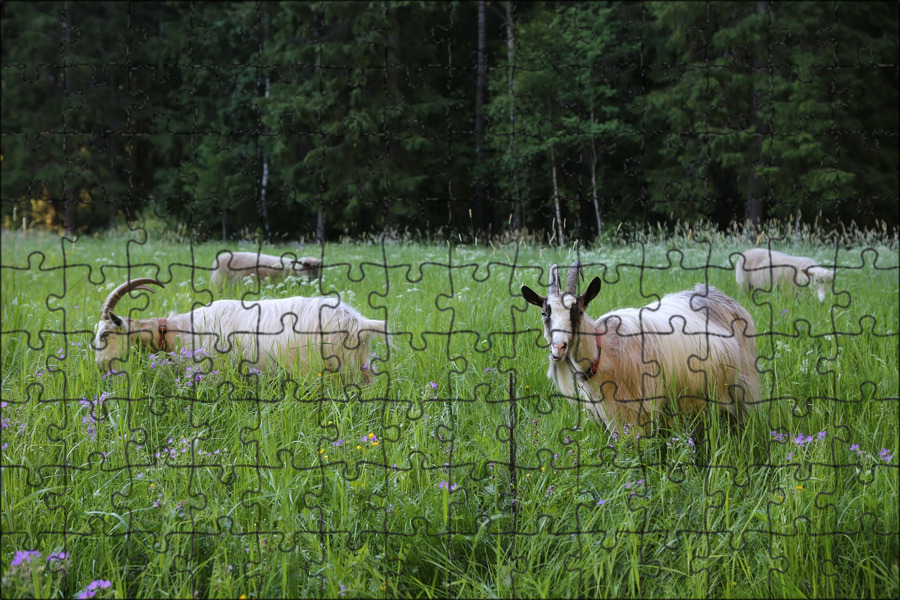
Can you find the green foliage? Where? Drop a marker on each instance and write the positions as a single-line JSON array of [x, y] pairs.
[[661, 111]]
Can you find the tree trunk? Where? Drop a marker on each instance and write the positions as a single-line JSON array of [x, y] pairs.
[[67, 194], [264, 212], [753, 208], [479, 115], [595, 158], [559, 227], [511, 60], [320, 225]]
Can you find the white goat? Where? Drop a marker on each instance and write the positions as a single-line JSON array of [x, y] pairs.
[[758, 267], [694, 347], [229, 266], [296, 332]]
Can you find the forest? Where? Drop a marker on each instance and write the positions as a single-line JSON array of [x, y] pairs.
[[320, 120]]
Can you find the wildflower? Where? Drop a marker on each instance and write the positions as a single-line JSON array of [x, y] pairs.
[[885, 455], [358, 447], [821, 435], [433, 385], [340, 442], [790, 456], [58, 556], [93, 587], [343, 590], [854, 448], [445, 485], [24, 556], [550, 490], [601, 502]]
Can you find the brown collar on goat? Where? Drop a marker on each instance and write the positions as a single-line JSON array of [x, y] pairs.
[[163, 330], [596, 364]]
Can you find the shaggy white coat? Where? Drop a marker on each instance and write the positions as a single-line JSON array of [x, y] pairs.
[[759, 267], [229, 266], [297, 333], [680, 354]]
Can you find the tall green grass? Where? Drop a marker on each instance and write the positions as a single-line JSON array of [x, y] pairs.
[[459, 472]]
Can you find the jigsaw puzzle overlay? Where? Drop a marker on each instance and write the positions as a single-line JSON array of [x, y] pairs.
[[483, 299]]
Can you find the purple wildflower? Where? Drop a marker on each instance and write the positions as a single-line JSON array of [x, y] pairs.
[[59, 556], [790, 456], [24, 556], [821, 435], [343, 589], [433, 385], [601, 502], [550, 490], [854, 448], [93, 587], [885, 455], [340, 442], [445, 485]]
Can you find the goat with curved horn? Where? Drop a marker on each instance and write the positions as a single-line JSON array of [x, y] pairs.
[[693, 349], [299, 333]]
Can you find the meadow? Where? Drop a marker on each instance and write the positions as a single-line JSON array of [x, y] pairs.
[[459, 472]]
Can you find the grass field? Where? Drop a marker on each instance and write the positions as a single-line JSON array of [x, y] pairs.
[[458, 472]]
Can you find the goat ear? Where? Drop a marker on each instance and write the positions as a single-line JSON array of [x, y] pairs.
[[592, 291], [116, 320], [532, 297]]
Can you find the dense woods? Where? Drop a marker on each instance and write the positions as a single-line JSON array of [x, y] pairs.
[[322, 119]]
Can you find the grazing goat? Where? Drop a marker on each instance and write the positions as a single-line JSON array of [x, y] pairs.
[[229, 266], [295, 332], [758, 267], [695, 347]]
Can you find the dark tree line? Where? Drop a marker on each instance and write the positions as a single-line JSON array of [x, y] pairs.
[[323, 119]]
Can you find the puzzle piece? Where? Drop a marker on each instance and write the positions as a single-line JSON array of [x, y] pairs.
[[412, 167]]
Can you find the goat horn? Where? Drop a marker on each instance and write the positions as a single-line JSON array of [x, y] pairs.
[[116, 294], [554, 281], [572, 279]]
